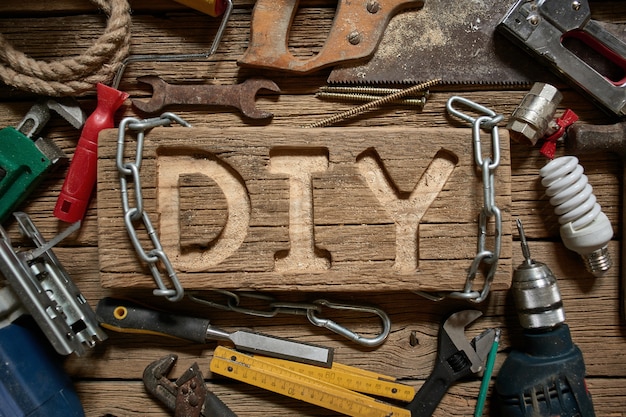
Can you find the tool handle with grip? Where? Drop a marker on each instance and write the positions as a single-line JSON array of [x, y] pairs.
[[81, 178], [215, 407], [128, 317], [587, 138], [430, 394]]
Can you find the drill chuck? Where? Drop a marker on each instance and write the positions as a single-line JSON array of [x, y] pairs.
[[537, 296], [536, 292]]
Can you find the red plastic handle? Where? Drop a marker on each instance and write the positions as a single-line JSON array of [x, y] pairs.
[[81, 177]]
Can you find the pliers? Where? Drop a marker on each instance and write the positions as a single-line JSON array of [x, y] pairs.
[[188, 396], [456, 358]]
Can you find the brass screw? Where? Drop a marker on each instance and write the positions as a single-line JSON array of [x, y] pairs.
[[419, 102], [365, 89], [368, 106]]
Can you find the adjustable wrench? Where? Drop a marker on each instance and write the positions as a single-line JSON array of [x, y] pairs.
[[456, 358], [241, 96]]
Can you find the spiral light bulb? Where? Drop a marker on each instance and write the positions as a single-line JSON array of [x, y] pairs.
[[585, 229]]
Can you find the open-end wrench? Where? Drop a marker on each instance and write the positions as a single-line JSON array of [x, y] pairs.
[[187, 396], [241, 96], [457, 357]]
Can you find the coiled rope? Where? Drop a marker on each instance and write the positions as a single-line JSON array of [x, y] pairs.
[[77, 75]]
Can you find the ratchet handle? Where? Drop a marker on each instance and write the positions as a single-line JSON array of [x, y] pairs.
[[128, 317]]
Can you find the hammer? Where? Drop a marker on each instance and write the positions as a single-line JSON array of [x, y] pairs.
[[584, 138]]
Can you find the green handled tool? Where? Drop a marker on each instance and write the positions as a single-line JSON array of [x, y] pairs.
[[128, 317]]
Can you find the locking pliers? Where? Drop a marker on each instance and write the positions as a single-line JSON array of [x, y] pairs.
[[188, 396]]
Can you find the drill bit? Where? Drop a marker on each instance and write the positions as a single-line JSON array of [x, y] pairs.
[[525, 249]]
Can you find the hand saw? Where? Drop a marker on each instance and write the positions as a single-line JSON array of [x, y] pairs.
[[341, 388], [454, 41]]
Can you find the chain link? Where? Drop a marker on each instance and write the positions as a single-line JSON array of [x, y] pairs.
[[135, 216], [488, 166], [313, 311]]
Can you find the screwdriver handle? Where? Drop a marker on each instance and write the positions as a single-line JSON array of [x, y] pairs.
[[128, 317]]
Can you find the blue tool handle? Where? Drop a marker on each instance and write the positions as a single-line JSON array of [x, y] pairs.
[[33, 382]]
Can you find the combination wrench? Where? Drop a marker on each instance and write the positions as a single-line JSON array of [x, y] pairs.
[[240, 96]]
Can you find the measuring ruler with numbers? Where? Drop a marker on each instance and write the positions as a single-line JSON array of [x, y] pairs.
[[341, 388]]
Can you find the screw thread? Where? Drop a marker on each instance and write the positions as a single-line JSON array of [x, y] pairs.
[[367, 106], [598, 261], [419, 102], [365, 89]]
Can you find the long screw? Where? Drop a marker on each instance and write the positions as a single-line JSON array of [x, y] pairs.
[[364, 89], [367, 106], [419, 102]]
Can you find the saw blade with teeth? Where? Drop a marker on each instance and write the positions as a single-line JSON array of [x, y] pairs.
[[454, 41]]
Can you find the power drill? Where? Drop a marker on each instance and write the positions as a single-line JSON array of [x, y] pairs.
[[547, 378]]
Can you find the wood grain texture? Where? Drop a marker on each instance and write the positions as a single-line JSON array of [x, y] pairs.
[[305, 209]]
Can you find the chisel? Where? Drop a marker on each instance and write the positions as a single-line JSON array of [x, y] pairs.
[[128, 317]]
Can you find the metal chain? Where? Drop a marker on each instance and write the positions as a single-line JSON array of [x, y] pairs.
[[488, 166], [135, 216], [312, 311]]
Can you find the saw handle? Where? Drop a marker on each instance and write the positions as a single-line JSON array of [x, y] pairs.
[[127, 317]]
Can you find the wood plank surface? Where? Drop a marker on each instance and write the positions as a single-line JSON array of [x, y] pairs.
[[108, 377], [305, 209]]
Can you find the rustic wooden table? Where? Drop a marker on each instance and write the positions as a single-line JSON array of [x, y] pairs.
[[108, 377]]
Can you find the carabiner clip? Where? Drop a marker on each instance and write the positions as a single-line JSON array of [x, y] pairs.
[[343, 331]]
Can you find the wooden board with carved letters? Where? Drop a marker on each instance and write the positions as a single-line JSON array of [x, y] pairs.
[[305, 209]]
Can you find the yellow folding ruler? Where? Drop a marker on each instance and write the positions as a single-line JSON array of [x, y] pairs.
[[340, 388]]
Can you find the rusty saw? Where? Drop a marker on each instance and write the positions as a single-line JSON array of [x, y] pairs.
[[455, 41]]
